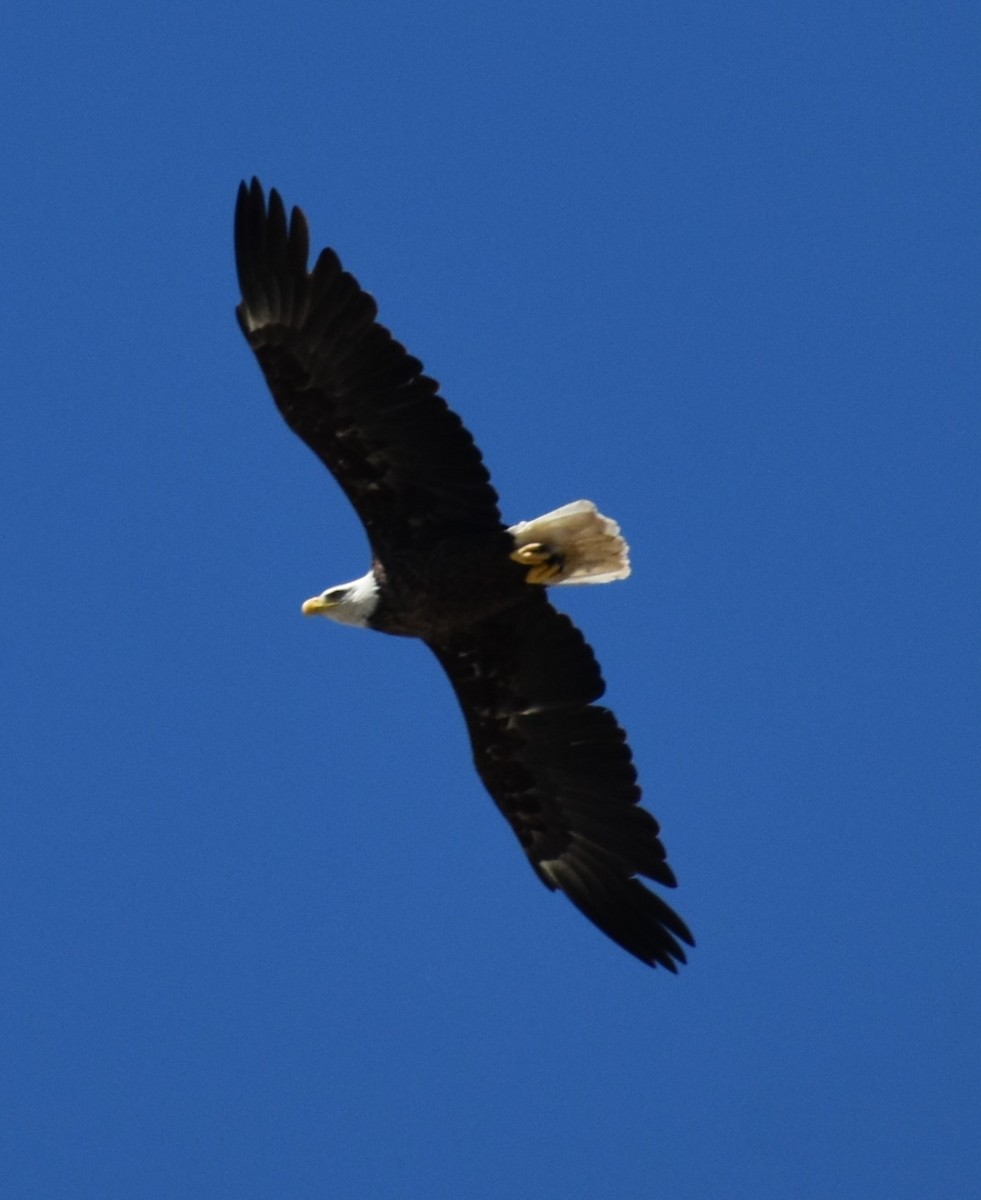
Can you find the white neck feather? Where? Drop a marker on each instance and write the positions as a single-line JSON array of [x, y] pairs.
[[359, 603]]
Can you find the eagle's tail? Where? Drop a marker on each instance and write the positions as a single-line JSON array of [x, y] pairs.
[[573, 544]]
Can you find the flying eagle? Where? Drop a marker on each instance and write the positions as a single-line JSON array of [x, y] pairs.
[[446, 569]]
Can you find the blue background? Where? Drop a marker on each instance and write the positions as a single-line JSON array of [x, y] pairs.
[[714, 266]]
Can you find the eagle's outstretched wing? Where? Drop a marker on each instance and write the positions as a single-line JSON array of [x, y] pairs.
[[559, 768], [350, 391]]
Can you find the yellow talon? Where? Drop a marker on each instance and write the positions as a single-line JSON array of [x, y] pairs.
[[545, 564], [547, 572], [534, 554]]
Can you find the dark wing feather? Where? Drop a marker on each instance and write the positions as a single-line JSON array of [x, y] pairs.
[[350, 391], [558, 766]]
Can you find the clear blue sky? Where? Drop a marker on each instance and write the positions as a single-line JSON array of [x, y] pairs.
[[714, 266]]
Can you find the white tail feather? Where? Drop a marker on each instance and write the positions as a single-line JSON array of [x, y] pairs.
[[588, 544]]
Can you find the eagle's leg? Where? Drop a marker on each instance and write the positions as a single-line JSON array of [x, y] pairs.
[[544, 563]]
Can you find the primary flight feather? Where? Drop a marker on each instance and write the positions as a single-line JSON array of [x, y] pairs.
[[447, 569]]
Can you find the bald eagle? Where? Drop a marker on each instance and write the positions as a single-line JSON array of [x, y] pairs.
[[446, 569]]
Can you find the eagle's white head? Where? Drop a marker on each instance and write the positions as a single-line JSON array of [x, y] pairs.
[[350, 603]]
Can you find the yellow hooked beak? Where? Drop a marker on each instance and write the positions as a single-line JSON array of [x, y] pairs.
[[315, 605]]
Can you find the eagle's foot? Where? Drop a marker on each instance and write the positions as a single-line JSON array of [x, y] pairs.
[[544, 563]]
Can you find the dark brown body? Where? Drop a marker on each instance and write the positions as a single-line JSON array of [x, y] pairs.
[[442, 591]]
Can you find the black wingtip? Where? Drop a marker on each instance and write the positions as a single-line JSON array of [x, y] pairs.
[[629, 913], [271, 249], [250, 218]]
